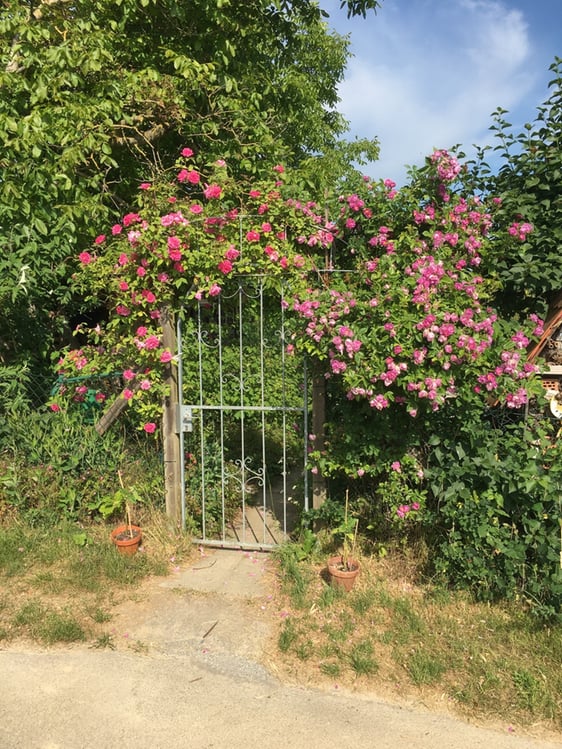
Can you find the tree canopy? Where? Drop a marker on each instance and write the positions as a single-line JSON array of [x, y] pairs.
[[98, 95], [530, 183]]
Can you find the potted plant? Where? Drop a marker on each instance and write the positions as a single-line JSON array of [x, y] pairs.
[[344, 567], [126, 537]]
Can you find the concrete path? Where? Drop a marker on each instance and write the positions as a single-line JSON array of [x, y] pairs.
[[187, 672]]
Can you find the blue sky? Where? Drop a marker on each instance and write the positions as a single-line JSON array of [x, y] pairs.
[[429, 73]]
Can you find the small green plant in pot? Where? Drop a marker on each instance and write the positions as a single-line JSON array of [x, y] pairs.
[[126, 537], [344, 567]]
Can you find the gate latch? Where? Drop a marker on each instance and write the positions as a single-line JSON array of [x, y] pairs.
[[185, 419]]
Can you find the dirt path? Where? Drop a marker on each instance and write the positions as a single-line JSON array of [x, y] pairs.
[[191, 668]]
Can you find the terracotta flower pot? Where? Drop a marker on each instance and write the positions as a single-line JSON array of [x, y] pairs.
[[127, 544], [340, 576]]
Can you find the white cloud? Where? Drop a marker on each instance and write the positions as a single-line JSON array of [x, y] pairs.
[[429, 75]]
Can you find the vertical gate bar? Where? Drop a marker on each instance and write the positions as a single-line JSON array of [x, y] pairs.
[[262, 398], [179, 340], [221, 418], [284, 412], [242, 404], [305, 431], [201, 423]]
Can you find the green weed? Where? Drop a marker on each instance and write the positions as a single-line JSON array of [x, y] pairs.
[[100, 616], [60, 628], [361, 658], [424, 668], [362, 601], [287, 637], [104, 640], [333, 670]]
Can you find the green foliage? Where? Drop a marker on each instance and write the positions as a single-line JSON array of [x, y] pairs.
[[287, 636], [306, 545], [89, 92], [213, 488], [249, 365], [530, 184], [296, 578], [55, 467], [495, 509], [115, 503]]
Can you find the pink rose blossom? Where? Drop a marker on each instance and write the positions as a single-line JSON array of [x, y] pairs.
[[212, 191], [152, 342], [131, 218], [232, 253], [149, 427], [225, 266]]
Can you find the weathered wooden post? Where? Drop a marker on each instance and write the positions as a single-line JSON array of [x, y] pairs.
[[319, 491], [171, 439]]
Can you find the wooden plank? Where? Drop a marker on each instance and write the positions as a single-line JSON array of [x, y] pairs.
[[255, 527], [111, 414]]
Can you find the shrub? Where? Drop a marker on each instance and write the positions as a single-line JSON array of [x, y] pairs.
[[495, 510]]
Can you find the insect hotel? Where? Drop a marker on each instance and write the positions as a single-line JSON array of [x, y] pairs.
[[547, 355]]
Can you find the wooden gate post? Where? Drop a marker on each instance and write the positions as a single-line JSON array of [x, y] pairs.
[[171, 440], [319, 492]]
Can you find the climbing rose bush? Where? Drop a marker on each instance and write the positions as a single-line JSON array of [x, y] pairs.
[[191, 234], [413, 325], [392, 288]]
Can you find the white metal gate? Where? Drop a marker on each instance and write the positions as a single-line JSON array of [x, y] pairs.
[[244, 415]]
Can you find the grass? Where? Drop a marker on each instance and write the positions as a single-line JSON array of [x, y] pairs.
[[389, 636], [60, 584], [400, 639]]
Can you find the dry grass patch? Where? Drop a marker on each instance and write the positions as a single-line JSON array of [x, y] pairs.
[[403, 640], [61, 584]]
